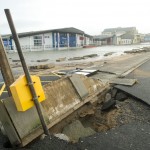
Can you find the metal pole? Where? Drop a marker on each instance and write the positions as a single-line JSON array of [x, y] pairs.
[[5, 67], [26, 71]]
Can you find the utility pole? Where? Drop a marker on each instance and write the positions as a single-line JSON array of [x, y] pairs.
[[5, 67]]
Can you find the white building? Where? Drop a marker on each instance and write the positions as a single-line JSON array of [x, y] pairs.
[[49, 39], [123, 36]]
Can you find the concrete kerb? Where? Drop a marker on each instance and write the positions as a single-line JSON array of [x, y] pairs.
[[132, 69]]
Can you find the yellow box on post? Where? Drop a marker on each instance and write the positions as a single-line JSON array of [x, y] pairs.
[[22, 95]]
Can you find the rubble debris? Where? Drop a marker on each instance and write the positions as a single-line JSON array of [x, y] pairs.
[[62, 137], [46, 66], [90, 56], [16, 60], [84, 57], [107, 97], [108, 54], [16, 65], [86, 72], [108, 104], [42, 137], [140, 50], [76, 58], [52, 143], [61, 73], [42, 60], [76, 130], [87, 112], [114, 92], [61, 59], [120, 96]]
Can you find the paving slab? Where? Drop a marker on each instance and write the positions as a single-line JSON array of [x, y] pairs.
[[123, 81], [120, 66], [79, 86], [141, 89]]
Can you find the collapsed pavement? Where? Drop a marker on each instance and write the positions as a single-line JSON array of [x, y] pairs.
[[111, 113], [117, 114], [63, 97]]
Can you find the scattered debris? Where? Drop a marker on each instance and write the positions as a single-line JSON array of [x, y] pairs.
[[113, 92], [76, 58], [46, 66], [108, 104], [42, 60], [86, 72], [60, 73], [108, 54], [62, 137], [90, 56], [140, 50], [15, 60], [107, 97], [61, 59], [87, 112], [84, 57], [42, 137], [16, 65], [120, 96], [76, 130]]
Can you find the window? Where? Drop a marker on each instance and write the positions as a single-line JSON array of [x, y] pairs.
[[37, 40], [46, 36]]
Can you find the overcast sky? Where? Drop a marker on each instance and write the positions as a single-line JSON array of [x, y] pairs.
[[91, 16]]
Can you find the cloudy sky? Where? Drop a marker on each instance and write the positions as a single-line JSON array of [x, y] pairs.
[[91, 16]]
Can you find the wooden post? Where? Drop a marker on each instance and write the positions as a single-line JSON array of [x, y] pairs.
[[5, 67]]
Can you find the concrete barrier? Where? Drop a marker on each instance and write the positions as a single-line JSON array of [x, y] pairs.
[[62, 98]]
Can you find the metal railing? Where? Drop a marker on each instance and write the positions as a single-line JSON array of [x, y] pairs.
[[45, 47]]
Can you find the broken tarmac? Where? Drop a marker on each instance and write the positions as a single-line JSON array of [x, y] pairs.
[[125, 127], [118, 137]]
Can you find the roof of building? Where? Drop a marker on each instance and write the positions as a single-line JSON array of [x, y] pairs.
[[62, 30], [119, 29], [87, 35], [102, 37], [127, 36], [147, 35]]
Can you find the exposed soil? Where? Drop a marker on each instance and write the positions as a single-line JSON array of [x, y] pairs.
[[123, 112], [121, 123]]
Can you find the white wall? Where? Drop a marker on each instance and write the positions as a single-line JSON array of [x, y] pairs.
[[79, 42], [118, 40], [126, 41], [27, 43], [24, 42], [48, 41]]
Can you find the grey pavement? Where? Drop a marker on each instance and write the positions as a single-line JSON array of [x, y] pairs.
[[133, 136], [141, 89], [119, 67]]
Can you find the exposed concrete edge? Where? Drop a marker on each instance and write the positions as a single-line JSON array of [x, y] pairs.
[[133, 68], [39, 131]]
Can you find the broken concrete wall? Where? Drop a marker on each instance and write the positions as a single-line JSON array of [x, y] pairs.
[[62, 98]]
